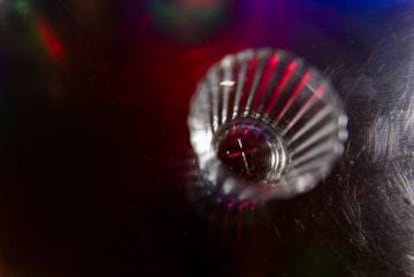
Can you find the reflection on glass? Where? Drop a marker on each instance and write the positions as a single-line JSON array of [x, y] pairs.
[[265, 125]]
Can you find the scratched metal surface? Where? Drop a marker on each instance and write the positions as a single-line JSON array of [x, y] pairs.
[[96, 171]]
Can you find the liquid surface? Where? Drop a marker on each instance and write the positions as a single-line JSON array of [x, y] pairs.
[[248, 151]]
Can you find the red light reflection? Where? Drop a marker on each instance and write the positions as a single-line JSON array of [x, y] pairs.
[[51, 42]]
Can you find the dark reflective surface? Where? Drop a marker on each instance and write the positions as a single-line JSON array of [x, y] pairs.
[[97, 174], [248, 150]]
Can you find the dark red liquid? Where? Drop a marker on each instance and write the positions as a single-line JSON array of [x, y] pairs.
[[247, 152]]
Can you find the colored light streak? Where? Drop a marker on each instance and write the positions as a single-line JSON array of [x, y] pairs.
[[298, 90], [289, 72], [51, 42], [267, 77], [41, 29]]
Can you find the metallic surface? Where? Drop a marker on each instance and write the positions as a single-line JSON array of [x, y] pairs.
[[96, 168]]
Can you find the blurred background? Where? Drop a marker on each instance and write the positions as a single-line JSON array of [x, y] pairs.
[[97, 176]]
